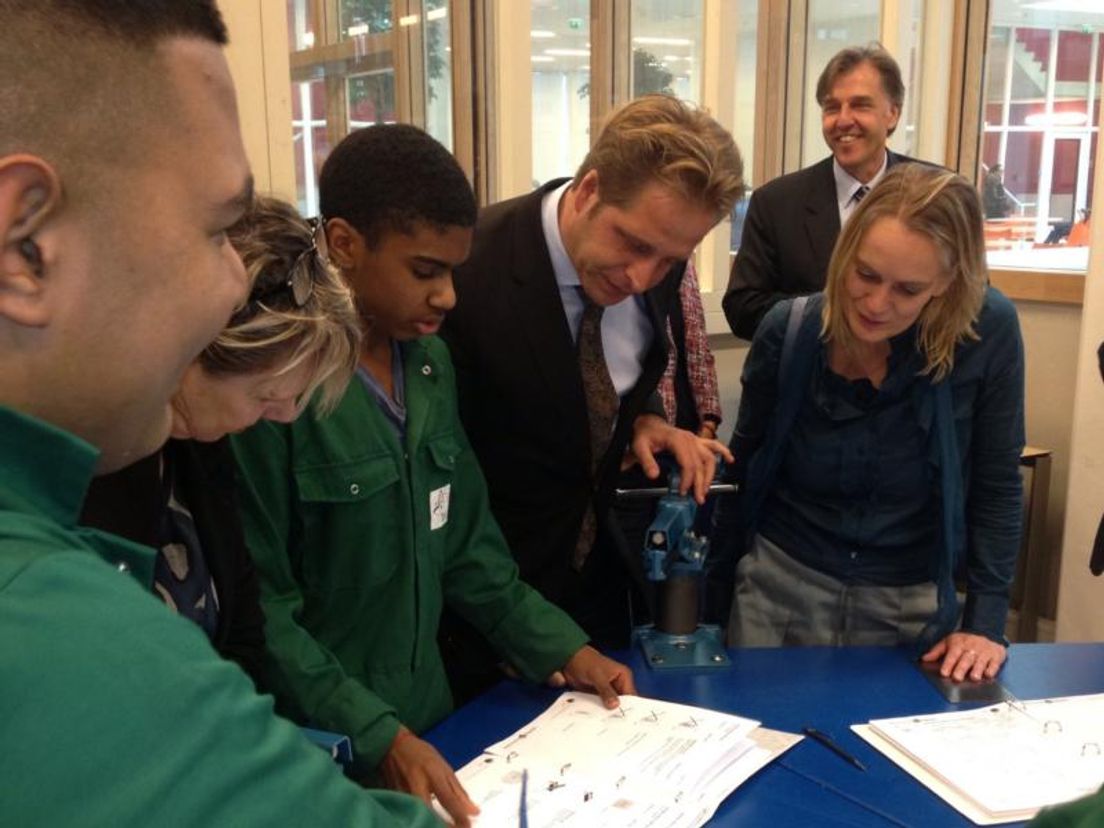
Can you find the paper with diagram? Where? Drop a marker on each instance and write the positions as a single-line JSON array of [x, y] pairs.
[[1004, 762], [648, 763]]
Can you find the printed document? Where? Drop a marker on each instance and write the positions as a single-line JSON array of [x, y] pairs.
[[647, 763], [1004, 762]]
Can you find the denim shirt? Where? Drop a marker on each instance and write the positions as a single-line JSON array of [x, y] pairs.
[[987, 395], [855, 493]]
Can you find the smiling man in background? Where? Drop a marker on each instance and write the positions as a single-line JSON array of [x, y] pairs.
[[793, 221]]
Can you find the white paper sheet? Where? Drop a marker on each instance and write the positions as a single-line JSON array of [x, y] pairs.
[[1008, 760], [648, 764]]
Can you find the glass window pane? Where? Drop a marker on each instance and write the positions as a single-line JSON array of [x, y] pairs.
[[560, 40], [300, 14], [310, 140], [1040, 133], [438, 71], [371, 98], [667, 48], [996, 77], [363, 17], [342, 78], [742, 128], [832, 26], [1030, 64]]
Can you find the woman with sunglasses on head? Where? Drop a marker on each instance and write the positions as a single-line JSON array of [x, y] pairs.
[[296, 335], [878, 442]]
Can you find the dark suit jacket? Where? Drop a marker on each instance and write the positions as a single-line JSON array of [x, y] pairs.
[[131, 503], [791, 227], [521, 394]]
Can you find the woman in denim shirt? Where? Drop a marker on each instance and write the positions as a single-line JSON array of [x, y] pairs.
[[878, 442]]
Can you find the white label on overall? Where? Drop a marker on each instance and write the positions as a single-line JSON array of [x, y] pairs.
[[438, 507]]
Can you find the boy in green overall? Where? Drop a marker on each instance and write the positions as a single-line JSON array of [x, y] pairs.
[[366, 523]]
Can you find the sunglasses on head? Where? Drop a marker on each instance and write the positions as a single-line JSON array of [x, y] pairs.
[[299, 284]]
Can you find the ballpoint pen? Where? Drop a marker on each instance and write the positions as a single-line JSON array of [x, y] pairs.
[[523, 817], [826, 740]]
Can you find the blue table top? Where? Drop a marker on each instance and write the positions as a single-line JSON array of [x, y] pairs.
[[790, 688]]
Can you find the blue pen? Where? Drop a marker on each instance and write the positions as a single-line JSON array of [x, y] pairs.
[[523, 817], [826, 740]]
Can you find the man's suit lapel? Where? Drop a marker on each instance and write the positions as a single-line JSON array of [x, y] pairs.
[[657, 304], [822, 224], [537, 305]]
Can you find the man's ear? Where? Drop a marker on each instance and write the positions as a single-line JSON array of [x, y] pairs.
[[896, 119], [345, 243], [586, 192], [29, 193]]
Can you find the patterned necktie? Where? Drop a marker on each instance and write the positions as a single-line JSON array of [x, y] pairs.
[[857, 196], [602, 403]]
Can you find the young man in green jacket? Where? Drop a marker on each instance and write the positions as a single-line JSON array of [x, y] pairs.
[[115, 272], [365, 524]]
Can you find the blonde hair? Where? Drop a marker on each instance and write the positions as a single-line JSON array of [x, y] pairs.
[[269, 332], [660, 139], [943, 207]]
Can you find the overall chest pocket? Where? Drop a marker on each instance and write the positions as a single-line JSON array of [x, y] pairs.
[[438, 507], [443, 452], [354, 524]]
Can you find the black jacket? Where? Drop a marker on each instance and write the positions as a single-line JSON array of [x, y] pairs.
[[131, 503], [521, 393]]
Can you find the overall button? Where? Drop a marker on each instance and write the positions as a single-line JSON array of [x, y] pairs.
[[426, 370], [354, 489], [122, 566]]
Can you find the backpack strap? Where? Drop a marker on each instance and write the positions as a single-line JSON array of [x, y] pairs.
[[793, 325]]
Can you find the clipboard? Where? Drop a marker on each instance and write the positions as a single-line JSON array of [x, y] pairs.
[[986, 691]]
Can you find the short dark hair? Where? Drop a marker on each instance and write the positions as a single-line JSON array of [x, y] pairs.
[[141, 22], [107, 50], [847, 59], [387, 178]]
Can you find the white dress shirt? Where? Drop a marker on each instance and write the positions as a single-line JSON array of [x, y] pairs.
[[626, 329], [847, 185]]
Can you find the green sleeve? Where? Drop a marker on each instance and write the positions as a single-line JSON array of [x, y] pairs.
[[117, 712], [1087, 812], [305, 671], [482, 584]]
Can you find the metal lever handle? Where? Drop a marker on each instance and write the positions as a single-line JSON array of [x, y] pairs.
[[660, 491]]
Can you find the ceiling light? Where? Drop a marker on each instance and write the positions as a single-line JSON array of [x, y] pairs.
[[541, 34], [1082, 6], [1068, 118], [663, 41]]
